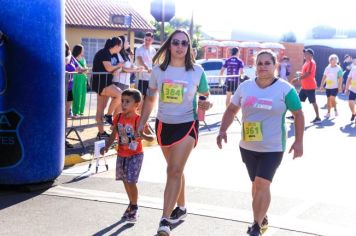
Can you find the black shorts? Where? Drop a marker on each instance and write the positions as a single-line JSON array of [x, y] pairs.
[[69, 96], [143, 86], [261, 164], [99, 82], [332, 92], [307, 93], [231, 86], [352, 96], [170, 134]]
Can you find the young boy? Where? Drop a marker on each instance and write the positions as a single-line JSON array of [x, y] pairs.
[[130, 153]]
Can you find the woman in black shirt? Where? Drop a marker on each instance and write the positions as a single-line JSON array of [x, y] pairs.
[[104, 60]]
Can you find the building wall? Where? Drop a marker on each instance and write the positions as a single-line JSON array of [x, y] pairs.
[[74, 35], [295, 53]]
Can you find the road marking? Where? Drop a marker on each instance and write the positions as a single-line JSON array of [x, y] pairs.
[[286, 222]]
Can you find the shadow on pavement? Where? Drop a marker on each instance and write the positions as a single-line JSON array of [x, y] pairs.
[[118, 231], [13, 194], [325, 123], [78, 178], [349, 129]]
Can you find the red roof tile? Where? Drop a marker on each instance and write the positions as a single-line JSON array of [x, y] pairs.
[[96, 14]]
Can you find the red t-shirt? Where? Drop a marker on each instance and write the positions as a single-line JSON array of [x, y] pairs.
[[126, 129], [309, 81]]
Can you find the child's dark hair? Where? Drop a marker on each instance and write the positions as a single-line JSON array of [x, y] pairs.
[[77, 50], [134, 93]]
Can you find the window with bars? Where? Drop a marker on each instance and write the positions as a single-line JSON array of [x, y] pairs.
[[91, 46]]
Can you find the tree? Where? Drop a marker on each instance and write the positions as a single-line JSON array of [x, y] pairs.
[[176, 23], [289, 37], [323, 32], [351, 33]]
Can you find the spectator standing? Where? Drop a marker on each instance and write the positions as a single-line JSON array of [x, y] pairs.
[[71, 65], [144, 56], [284, 68], [234, 66], [121, 78], [79, 82]]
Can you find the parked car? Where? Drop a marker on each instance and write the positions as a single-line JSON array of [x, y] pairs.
[[212, 68]]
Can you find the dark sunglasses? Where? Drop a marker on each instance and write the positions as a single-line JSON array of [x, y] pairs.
[[176, 42]]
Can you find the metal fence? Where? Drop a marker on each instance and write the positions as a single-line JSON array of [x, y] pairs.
[[83, 127]]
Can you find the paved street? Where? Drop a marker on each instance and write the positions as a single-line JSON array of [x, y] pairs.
[[312, 195]]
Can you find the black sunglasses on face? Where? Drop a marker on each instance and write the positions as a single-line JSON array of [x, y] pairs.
[[176, 42]]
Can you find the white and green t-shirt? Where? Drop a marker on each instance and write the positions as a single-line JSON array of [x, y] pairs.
[[352, 74], [263, 114], [178, 90], [332, 74]]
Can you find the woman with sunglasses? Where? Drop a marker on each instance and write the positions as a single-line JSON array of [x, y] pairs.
[[264, 102], [178, 81]]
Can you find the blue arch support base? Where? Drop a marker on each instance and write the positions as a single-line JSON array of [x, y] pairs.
[[31, 91]]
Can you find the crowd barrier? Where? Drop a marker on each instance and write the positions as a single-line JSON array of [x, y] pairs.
[[83, 127]]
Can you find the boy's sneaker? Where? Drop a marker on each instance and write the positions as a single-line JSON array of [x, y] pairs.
[[336, 113], [264, 225], [255, 230], [108, 119], [353, 117], [131, 213], [102, 135], [126, 213], [317, 120], [164, 228], [327, 116], [177, 215]]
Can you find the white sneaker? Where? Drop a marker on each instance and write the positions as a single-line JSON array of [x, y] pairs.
[[327, 116], [164, 228], [336, 113]]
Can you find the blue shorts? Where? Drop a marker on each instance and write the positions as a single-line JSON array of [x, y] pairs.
[[352, 96], [128, 168], [307, 93], [332, 92], [261, 164]]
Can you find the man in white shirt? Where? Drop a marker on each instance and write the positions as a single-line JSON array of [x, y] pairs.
[[144, 55]]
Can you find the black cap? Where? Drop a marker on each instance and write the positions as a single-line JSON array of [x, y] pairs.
[[309, 50]]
